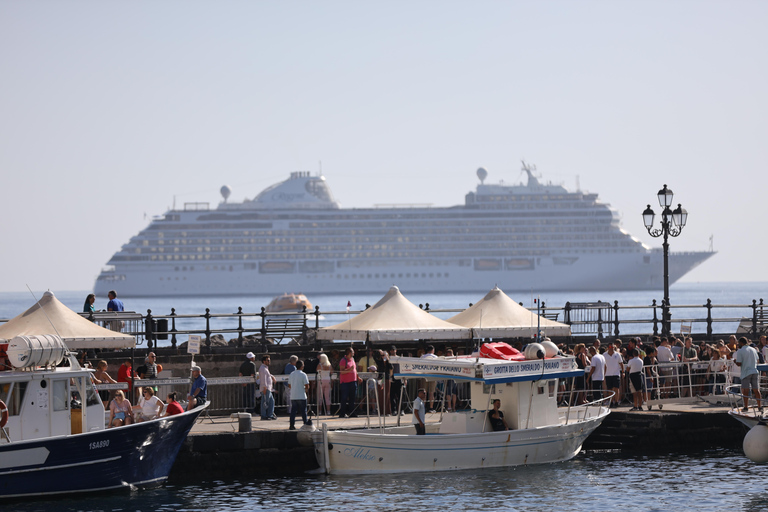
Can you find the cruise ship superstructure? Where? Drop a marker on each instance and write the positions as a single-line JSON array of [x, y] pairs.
[[295, 237]]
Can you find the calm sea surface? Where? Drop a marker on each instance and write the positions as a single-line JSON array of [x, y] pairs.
[[682, 294], [716, 480], [712, 480]]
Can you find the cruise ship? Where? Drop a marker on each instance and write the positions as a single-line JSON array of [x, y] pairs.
[[294, 236]]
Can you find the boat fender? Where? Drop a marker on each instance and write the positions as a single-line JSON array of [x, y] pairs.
[[3, 414], [534, 351]]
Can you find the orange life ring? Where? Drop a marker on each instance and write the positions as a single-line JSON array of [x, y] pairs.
[[3, 414]]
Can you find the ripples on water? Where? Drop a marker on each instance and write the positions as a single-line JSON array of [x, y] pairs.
[[715, 480]]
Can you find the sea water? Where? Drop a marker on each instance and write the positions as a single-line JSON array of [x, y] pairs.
[[593, 481], [705, 481], [694, 295]]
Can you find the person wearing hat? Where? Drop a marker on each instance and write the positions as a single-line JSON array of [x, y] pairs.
[[198, 390], [248, 369]]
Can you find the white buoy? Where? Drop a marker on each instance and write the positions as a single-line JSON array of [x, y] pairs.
[[550, 349], [756, 444], [534, 351], [304, 435]]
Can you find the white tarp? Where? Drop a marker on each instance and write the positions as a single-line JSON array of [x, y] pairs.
[[498, 316], [393, 318], [77, 332]]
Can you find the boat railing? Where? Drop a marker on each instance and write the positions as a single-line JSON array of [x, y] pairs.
[[737, 401], [585, 411]]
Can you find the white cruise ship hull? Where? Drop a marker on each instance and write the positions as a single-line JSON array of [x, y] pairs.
[[597, 272]]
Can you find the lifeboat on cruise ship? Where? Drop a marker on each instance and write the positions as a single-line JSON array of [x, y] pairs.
[[289, 303], [499, 350]]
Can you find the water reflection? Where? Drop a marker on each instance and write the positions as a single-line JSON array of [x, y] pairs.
[[714, 480]]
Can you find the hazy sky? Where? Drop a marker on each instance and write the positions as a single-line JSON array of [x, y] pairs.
[[111, 111]]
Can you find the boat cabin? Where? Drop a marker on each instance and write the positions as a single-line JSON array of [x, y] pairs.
[[527, 389], [44, 399]]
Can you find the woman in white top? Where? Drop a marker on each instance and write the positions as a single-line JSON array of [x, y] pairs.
[[149, 404], [716, 372], [324, 370]]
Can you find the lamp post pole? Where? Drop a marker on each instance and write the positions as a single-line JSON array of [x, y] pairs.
[[672, 224]]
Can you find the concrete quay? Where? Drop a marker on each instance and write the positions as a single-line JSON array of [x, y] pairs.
[[216, 449]]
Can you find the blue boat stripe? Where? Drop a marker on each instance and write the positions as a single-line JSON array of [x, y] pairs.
[[62, 466]]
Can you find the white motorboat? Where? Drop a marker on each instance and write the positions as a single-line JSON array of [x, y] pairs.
[[539, 430]]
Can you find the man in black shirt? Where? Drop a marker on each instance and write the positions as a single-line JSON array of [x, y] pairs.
[[496, 417], [248, 369]]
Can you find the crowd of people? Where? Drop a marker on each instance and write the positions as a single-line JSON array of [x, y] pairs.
[[637, 372]]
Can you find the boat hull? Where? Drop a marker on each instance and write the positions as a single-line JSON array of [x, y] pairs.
[[354, 452], [141, 454]]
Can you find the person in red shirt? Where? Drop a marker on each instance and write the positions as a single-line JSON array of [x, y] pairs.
[[124, 374], [173, 407]]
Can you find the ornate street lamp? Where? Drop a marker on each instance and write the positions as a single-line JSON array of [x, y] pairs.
[[672, 224]]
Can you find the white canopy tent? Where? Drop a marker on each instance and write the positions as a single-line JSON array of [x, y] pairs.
[[498, 316], [50, 316], [394, 318]]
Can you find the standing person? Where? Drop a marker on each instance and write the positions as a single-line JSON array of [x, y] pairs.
[[348, 380], [688, 356], [324, 371], [635, 368], [149, 370], [666, 369], [746, 359], [614, 367], [100, 376], [298, 384], [126, 374], [199, 389], [419, 412], [248, 369], [597, 374], [395, 385], [431, 385], [267, 384], [496, 417], [716, 371], [114, 303], [651, 374], [290, 367], [88, 306], [580, 351]]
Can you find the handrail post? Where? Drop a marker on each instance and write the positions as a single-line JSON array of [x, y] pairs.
[[567, 313], [655, 319], [708, 305], [616, 318], [754, 318], [263, 315], [148, 329], [599, 322], [207, 327], [240, 326], [173, 327], [304, 325]]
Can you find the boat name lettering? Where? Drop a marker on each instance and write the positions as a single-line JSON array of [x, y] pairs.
[[435, 367], [98, 444], [358, 453], [525, 367]]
